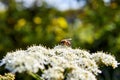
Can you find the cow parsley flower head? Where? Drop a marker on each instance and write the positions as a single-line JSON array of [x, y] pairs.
[[81, 53], [39, 49], [80, 74], [55, 73], [59, 63], [87, 64], [62, 50], [106, 59], [25, 60], [61, 47]]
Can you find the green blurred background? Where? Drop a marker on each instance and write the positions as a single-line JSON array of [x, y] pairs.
[[93, 25]]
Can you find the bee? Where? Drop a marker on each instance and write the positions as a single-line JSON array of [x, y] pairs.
[[66, 42]]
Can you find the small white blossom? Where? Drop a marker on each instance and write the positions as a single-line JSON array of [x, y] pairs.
[[106, 59], [55, 73], [20, 61], [80, 74], [39, 49], [87, 64], [82, 53]]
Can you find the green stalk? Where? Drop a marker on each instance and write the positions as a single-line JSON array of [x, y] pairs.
[[34, 75]]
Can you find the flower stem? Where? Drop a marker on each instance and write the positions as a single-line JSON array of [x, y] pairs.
[[34, 75]]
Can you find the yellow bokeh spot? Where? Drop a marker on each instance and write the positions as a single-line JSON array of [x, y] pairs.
[[37, 20], [21, 22], [62, 22]]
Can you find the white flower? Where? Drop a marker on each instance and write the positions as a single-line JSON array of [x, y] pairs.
[[29, 60], [61, 47], [87, 64], [82, 53], [80, 74], [39, 49], [55, 73], [54, 62], [106, 59]]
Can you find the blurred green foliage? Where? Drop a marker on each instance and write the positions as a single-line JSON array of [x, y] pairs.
[[94, 27]]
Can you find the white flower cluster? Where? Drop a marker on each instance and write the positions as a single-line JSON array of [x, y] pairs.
[[102, 58], [59, 63]]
